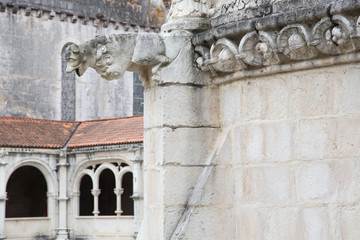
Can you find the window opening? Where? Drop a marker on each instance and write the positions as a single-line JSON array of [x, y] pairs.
[[127, 203], [27, 193], [68, 90], [86, 198], [107, 197]]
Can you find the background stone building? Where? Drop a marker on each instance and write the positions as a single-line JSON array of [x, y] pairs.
[[33, 39], [42, 190], [251, 121]]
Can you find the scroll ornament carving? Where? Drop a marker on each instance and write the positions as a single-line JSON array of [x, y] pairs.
[[297, 42], [259, 49], [334, 36]]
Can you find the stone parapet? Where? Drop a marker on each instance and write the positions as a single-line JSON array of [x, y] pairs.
[[117, 12], [274, 42]]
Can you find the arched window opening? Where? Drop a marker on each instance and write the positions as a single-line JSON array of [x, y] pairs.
[[27, 193], [68, 90], [138, 95], [86, 198], [127, 203], [107, 197]]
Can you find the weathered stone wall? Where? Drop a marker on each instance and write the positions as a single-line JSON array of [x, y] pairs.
[[268, 151], [32, 74], [289, 166], [30, 70]]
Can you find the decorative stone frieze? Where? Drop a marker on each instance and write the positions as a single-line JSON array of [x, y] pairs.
[[279, 39], [259, 49]]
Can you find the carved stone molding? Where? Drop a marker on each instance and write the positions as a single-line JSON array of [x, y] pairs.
[[247, 48], [259, 49]]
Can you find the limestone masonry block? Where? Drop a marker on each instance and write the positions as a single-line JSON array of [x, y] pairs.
[[328, 182], [316, 138], [313, 94], [188, 146], [349, 219], [329, 137], [178, 183], [264, 142], [216, 192], [257, 98], [266, 186], [249, 221], [152, 181], [315, 224], [153, 149], [211, 223], [350, 86], [172, 215], [190, 106]]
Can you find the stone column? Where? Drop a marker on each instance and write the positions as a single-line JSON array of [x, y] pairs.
[[118, 192], [96, 193], [138, 187], [181, 125], [2, 194], [62, 232]]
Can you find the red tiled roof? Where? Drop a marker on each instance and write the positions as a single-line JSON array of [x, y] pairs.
[[40, 133], [34, 133], [108, 132]]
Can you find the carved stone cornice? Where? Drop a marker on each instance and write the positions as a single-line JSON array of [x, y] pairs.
[[105, 13], [316, 33]]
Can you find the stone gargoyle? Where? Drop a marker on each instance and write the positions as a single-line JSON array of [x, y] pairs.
[[112, 55]]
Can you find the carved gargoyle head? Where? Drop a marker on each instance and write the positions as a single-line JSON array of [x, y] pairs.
[[112, 55], [76, 60]]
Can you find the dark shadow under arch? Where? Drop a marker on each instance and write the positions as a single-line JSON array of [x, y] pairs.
[[86, 198], [27, 193], [127, 203], [107, 197]]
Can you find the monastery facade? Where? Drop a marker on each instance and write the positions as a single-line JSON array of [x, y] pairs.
[[71, 180], [251, 123]]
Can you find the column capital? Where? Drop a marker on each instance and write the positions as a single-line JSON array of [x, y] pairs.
[[118, 191], [95, 192], [74, 194], [3, 197], [62, 164], [137, 196]]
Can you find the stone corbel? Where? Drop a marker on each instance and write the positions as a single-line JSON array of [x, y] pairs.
[[112, 55]]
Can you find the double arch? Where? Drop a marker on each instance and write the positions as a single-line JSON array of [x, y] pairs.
[[94, 170]]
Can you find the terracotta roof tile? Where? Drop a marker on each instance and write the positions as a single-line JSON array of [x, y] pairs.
[[40, 133], [34, 133], [108, 132]]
